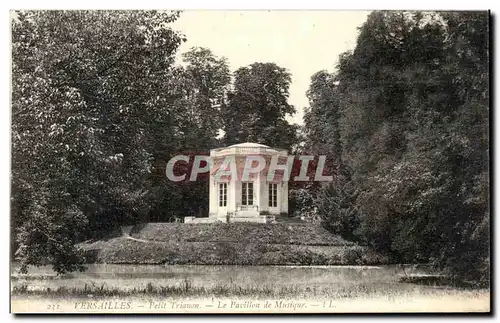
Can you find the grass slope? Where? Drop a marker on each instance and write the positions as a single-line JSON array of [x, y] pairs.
[[231, 244], [279, 233]]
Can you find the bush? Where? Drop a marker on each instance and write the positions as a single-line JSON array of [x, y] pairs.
[[302, 204], [353, 256], [336, 205]]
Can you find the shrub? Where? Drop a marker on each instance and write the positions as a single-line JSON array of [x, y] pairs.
[[336, 205], [302, 204]]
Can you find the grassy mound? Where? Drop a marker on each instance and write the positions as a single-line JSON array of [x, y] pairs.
[[279, 233], [231, 244]]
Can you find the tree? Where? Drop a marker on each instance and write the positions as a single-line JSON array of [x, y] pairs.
[[85, 87], [413, 129], [321, 118], [199, 87], [258, 105]]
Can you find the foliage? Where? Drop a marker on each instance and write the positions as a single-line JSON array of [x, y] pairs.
[[322, 116], [410, 107], [336, 203], [85, 87], [299, 201], [258, 105], [98, 109], [199, 88]]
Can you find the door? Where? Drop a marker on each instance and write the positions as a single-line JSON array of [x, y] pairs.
[[222, 194], [246, 193], [273, 195]]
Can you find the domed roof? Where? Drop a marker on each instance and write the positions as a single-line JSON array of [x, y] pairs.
[[249, 145], [247, 148]]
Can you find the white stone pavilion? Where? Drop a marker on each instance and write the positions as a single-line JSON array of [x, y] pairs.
[[255, 198]]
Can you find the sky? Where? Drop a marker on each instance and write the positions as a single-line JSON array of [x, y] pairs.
[[303, 42]]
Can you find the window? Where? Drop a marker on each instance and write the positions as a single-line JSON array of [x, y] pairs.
[[222, 194], [247, 193], [273, 195]]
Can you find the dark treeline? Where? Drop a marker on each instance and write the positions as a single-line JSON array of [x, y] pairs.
[[99, 106], [406, 115]]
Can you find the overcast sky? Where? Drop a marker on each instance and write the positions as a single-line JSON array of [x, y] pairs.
[[303, 42]]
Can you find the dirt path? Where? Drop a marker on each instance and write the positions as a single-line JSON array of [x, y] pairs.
[[126, 234]]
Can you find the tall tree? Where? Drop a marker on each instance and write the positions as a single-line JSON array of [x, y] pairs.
[[321, 118], [85, 87], [205, 81], [258, 106], [200, 87], [413, 98]]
